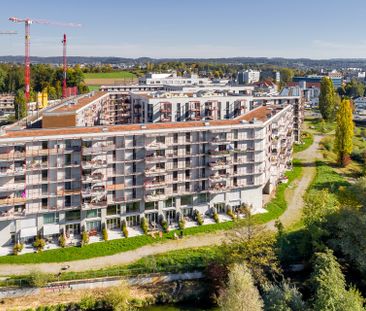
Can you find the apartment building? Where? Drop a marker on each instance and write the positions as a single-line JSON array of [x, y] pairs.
[[7, 108], [62, 180], [172, 79], [248, 76]]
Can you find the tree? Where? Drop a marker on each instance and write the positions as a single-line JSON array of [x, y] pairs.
[[329, 285], [240, 294], [355, 88], [20, 105], [286, 75], [327, 99], [344, 132], [256, 248], [118, 298], [283, 297]]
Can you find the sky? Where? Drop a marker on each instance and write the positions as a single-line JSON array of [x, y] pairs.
[[316, 29]]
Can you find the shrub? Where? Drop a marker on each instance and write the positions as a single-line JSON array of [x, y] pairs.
[[216, 217], [124, 229], [182, 224], [230, 213], [327, 143], [39, 244], [18, 247], [105, 234], [164, 225], [144, 225], [62, 241], [84, 238], [37, 279], [199, 218]]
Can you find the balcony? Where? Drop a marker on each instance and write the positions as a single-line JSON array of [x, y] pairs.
[[154, 171], [12, 171], [154, 184], [154, 158], [12, 187], [17, 155], [10, 214], [217, 165], [214, 153], [94, 164], [98, 149], [155, 146], [155, 197], [115, 187], [220, 141], [219, 187], [12, 201]]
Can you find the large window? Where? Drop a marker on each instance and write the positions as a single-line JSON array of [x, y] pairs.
[[170, 202], [72, 215], [132, 207], [113, 210], [51, 218], [186, 200], [202, 198], [151, 205], [94, 213]]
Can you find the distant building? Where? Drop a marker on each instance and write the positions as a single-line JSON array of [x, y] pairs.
[[7, 108], [275, 76], [337, 79], [248, 76], [172, 79]]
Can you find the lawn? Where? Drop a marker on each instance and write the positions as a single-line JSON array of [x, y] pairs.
[[93, 88], [320, 125], [307, 140], [110, 75]]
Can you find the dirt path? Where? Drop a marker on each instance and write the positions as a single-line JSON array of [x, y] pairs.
[[293, 196]]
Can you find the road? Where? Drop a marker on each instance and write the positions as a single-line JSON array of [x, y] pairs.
[[293, 196]]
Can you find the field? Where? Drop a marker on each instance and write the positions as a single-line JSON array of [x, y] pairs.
[[110, 75]]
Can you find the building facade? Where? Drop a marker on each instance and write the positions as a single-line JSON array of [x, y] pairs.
[[65, 180]]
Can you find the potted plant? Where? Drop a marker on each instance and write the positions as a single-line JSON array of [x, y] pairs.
[[143, 224], [124, 229], [39, 244], [84, 238], [18, 247]]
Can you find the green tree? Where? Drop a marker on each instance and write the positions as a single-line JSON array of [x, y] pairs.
[[240, 294], [286, 75], [256, 248], [344, 132], [118, 298], [329, 285], [355, 88], [327, 99], [20, 105], [283, 297]]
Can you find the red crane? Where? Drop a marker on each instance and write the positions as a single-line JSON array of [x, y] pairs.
[[27, 22], [64, 86]]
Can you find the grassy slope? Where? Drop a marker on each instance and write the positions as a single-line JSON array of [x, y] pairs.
[[110, 75], [275, 208], [307, 142]]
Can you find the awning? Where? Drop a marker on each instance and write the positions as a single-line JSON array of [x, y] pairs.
[[28, 232], [51, 229]]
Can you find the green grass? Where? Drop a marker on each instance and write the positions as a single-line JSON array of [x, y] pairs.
[[307, 139], [93, 87], [110, 75], [275, 209], [321, 126]]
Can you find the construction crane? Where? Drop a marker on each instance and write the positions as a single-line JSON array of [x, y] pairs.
[[27, 22], [64, 85], [8, 32]]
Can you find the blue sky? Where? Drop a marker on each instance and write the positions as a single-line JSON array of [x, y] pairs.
[[191, 28]]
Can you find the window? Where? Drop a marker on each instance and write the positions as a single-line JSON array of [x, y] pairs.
[[175, 175], [186, 200], [188, 149], [44, 189], [151, 205], [67, 159], [188, 173], [44, 175], [187, 187], [202, 198], [44, 144], [94, 213], [113, 210], [44, 202], [175, 138], [160, 139], [132, 207], [175, 188], [72, 215], [51, 218], [68, 201], [170, 202], [188, 137], [19, 178]]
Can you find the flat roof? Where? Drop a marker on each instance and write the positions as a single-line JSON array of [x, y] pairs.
[[262, 113], [82, 102]]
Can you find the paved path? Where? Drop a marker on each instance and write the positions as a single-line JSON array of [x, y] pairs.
[[293, 212]]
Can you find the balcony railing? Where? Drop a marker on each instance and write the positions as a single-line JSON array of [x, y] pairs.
[[155, 146], [12, 201]]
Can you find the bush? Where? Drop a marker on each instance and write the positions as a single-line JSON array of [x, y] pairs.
[[216, 217], [37, 279], [84, 238], [199, 218], [124, 229], [182, 224], [144, 225], [18, 247], [39, 244], [105, 234], [327, 143], [230, 213], [62, 241], [164, 225]]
